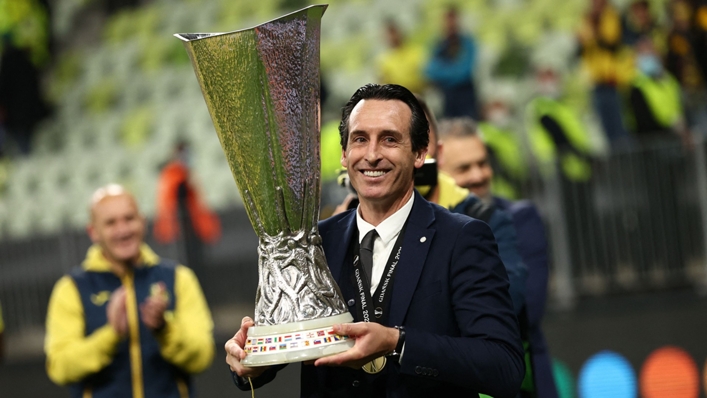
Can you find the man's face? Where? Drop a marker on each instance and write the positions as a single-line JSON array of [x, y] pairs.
[[597, 5], [395, 39], [451, 23], [466, 160], [379, 156], [117, 227], [641, 14]]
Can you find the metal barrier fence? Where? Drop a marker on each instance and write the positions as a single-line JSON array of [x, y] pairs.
[[637, 225], [28, 270]]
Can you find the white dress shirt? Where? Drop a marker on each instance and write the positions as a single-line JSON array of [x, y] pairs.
[[388, 232]]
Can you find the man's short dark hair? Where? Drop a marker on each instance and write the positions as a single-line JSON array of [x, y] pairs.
[[419, 128]]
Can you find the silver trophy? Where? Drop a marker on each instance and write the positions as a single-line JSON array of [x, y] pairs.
[[261, 86]]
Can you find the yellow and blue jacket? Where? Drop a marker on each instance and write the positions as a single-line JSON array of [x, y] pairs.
[[84, 351]]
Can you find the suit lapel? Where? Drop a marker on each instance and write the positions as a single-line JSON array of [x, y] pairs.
[[416, 244]]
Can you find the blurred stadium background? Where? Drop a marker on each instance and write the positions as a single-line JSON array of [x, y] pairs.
[[123, 93]]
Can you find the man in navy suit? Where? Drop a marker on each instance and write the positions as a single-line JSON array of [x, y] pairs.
[[465, 158], [444, 323]]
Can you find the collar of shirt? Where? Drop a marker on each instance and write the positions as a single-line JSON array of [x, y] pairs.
[[388, 231], [390, 227]]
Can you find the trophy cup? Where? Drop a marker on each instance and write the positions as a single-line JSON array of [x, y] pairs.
[[261, 86]]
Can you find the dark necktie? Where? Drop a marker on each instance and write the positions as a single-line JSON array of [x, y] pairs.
[[367, 253]]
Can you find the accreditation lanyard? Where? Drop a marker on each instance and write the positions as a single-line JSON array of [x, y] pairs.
[[372, 309]]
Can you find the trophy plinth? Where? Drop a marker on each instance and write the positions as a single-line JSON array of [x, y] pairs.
[[295, 342], [261, 87]]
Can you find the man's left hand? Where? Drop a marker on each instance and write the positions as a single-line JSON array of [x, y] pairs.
[[153, 308], [373, 340]]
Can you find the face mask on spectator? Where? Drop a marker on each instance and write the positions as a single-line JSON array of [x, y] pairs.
[[549, 88], [650, 65], [500, 118]]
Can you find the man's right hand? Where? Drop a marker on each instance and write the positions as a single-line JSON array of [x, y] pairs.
[[235, 352], [115, 312]]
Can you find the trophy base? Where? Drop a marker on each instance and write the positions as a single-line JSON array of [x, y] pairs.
[[295, 342]]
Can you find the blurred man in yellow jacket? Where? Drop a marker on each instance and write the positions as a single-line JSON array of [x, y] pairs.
[[655, 99], [403, 62], [127, 323]]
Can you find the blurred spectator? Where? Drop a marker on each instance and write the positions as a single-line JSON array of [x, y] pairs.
[[639, 23], [681, 57], [21, 102], [655, 99], [126, 322], [699, 34], [681, 62], [181, 212], [464, 156], [555, 131], [608, 63], [505, 149], [403, 62], [451, 68], [562, 147]]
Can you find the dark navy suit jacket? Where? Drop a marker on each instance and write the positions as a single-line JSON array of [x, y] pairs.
[[533, 248], [450, 291], [504, 231]]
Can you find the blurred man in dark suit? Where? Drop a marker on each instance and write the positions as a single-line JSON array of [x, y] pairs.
[[465, 158]]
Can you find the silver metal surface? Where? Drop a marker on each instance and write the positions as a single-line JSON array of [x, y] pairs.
[[261, 87]]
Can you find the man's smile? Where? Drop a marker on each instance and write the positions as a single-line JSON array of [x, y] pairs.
[[374, 173], [124, 240]]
